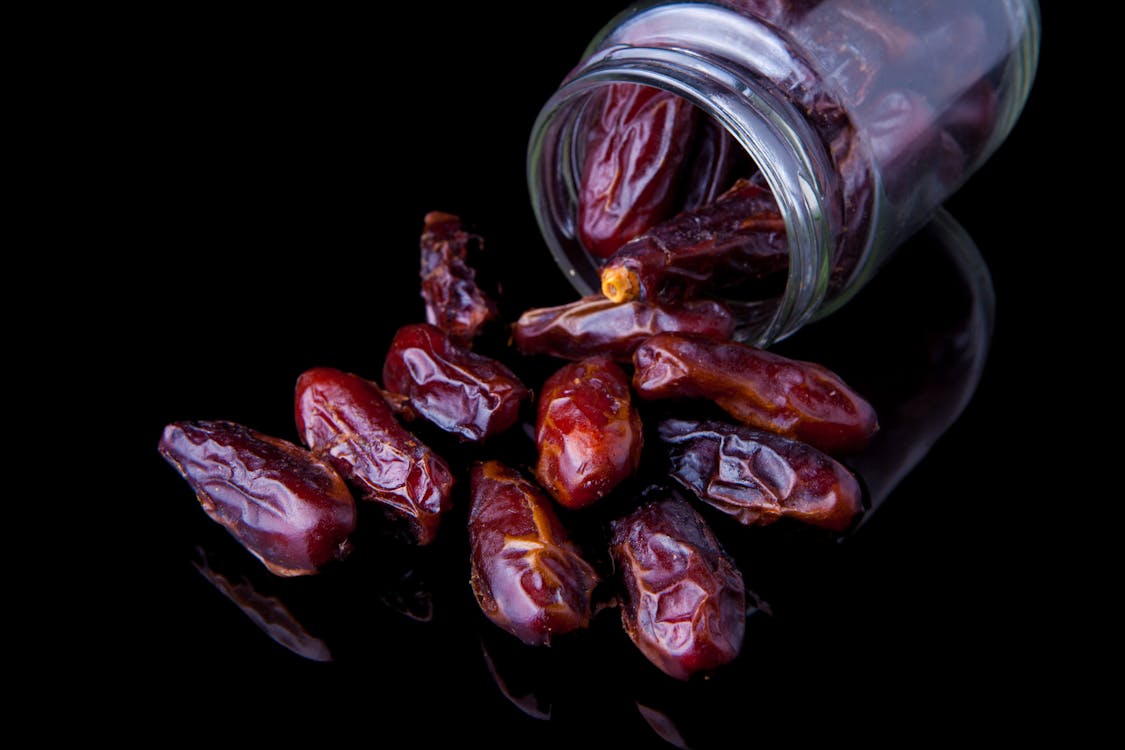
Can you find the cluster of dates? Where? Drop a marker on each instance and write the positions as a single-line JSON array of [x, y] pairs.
[[903, 96], [682, 598]]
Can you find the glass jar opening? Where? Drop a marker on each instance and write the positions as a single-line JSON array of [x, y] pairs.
[[740, 134]]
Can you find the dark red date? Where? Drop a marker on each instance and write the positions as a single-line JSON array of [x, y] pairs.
[[716, 160], [797, 399], [527, 576], [595, 325], [741, 236], [758, 477], [685, 601], [288, 508], [588, 433], [464, 393], [454, 302], [635, 149], [343, 419]]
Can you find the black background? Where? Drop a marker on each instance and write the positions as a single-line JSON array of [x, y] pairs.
[[271, 174]]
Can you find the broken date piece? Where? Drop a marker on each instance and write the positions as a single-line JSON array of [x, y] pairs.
[[527, 576], [758, 477], [285, 506], [344, 420]]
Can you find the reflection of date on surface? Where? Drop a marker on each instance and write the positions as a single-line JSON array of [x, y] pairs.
[[267, 612], [288, 508]]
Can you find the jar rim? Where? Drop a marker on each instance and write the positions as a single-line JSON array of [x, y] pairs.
[[767, 127]]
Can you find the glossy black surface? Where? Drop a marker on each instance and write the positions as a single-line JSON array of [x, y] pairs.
[[277, 171]]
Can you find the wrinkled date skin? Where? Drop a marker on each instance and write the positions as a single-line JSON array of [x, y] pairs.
[[740, 236], [588, 434], [636, 147], [454, 302], [685, 601], [595, 325], [464, 393], [527, 576], [343, 419], [801, 400], [288, 508], [758, 477]]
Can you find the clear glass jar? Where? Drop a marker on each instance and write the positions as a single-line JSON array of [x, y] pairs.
[[862, 116]]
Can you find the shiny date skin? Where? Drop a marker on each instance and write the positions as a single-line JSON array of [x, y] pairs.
[[285, 506], [344, 420], [454, 302], [758, 477], [635, 150], [528, 577], [595, 325], [684, 599], [801, 400], [738, 237], [467, 394], [587, 432]]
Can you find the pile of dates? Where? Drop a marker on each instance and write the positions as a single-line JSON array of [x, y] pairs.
[[757, 438]]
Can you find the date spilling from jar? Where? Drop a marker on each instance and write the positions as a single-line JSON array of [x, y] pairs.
[[558, 537]]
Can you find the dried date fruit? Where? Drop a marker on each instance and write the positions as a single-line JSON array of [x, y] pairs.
[[758, 477], [588, 434], [684, 599], [527, 576], [740, 236], [464, 393], [344, 420], [715, 160], [971, 119], [635, 149], [797, 399], [595, 325], [288, 508], [454, 302]]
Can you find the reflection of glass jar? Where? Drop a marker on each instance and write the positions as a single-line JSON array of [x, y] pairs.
[[862, 116]]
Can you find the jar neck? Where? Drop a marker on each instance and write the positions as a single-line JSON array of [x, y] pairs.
[[790, 156]]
